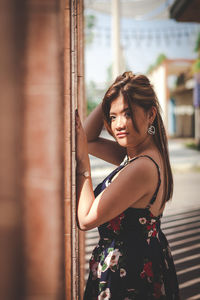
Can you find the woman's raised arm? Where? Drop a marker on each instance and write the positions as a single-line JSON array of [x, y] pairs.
[[93, 124], [105, 149]]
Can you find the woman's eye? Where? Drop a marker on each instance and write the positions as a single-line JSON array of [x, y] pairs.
[[128, 114], [112, 118]]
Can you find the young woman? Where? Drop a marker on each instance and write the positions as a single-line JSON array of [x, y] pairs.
[[132, 259]]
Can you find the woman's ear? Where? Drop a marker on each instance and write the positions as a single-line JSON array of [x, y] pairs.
[[152, 114]]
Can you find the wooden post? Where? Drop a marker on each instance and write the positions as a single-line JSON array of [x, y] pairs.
[[42, 181], [74, 97], [11, 125], [32, 189], [82, 108]]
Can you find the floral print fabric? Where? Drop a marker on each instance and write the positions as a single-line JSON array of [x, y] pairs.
[[132, 259]]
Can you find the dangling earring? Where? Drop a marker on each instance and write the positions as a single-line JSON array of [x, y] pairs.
[[151, 130]]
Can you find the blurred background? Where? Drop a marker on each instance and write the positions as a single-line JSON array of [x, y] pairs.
[[59, 55]]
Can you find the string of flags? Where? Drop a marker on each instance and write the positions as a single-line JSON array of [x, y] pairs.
[[179, 33]]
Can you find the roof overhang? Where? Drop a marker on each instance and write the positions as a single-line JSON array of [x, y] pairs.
[[185, 10], [178, 66]]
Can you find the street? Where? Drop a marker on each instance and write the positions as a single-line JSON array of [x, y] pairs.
[[181, 219]]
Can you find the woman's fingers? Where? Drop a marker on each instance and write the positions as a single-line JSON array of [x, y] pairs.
[[81, 140], [77, 118]]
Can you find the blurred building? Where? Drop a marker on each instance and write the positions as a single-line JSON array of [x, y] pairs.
[[189, 11], [177, 108], [183, 108]]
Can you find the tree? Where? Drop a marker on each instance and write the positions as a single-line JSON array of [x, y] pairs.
[[196, 65], [159, 60], [90, 22]]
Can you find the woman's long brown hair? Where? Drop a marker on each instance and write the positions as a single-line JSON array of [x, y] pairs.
[[138, 89]]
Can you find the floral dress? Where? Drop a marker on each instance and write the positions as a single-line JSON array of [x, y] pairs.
[[132, 259]]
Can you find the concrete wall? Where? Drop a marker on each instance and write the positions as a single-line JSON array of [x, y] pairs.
[[158, 78]]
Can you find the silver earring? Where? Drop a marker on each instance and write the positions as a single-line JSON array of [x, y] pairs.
[[151, 130]]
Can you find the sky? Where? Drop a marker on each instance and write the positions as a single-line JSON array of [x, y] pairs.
[[141, 41]]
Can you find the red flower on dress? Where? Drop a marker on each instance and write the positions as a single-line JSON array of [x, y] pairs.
[[115, 223], [148, 269], [154, 233], [152, 226], [157, 290], [92, 262], [149, 227]]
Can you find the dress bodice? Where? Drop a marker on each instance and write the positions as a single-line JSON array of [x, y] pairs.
[[138, 221]]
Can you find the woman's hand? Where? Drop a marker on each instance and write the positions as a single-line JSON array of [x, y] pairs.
[[81, 145]]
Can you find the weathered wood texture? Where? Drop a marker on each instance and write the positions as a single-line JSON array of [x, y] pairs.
[[82, 108], [42, 149], [11, 124], [74, 98]]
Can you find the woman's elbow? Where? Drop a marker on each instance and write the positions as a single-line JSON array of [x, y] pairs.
[[82, 226]]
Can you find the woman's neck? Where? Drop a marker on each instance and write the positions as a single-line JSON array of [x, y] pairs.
[[146, 144]]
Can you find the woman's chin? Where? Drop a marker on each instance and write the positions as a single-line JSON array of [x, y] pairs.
[[122, 142]]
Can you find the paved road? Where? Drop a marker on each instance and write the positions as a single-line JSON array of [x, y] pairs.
[[181, 220]]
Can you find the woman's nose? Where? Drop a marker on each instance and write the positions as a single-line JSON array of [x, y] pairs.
[[121, 123]]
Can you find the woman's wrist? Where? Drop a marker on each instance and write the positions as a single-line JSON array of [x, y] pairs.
[[86, 174], [83, 168]]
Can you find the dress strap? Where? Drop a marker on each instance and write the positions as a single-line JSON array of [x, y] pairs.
[[159, 178]]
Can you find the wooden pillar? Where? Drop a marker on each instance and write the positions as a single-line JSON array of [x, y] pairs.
[[33, 115], [43, 159], [82, 108], [11, 230], [32, 158], [74, 97]]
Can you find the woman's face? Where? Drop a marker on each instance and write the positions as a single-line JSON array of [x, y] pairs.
[[122, 125]]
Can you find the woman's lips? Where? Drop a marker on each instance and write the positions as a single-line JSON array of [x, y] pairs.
[[121, 134]]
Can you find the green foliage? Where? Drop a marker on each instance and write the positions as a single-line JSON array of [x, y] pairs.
[[92, 95], [196, 66], [162, 57], [197, 45], [90, 106], [159, 60], [193, 145], [90, 21], [150, 69], [109, 75]]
